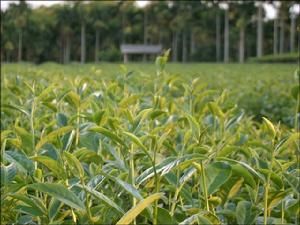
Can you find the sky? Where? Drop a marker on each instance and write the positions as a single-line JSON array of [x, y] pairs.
[[271, 12]]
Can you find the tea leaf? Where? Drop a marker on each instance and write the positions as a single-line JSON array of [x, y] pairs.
[[135, 211]]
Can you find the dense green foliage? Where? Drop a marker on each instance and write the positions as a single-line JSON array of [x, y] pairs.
[[171, 144], [282, 58], [194, 30]]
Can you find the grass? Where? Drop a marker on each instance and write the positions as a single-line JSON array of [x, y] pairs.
[[164, 144]]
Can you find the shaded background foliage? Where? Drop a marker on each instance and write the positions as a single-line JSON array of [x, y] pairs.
[[193, 30]]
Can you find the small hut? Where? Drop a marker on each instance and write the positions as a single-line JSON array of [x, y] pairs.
[[127, 49]]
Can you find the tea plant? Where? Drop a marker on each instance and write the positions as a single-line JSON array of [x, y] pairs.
[[152, 149]]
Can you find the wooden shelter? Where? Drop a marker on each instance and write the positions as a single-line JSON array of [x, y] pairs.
[[127, 49]]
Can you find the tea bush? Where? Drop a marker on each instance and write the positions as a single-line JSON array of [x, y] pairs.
[[144, 149]]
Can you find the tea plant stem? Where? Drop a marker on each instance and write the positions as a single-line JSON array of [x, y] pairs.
[[72, 211], [177, 186], [32, 130], [174, 201], [204, 186], [267, 186], [131, 164], [257, 192], [77, 127], [191, 102], [282, 212], [156, 188], [296, 114], [88, 211]]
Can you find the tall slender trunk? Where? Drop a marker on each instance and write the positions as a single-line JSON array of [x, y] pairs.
[[259, 50], [123, 27], [242, 45], [275, 37], [192, 44], [175, 46], [226, 37], [184, 47], [64, 53], [97, 46], [20, 46], [218, 37], [82, 43], [145, 32], [68, 49], [292, 37], [281, 41]]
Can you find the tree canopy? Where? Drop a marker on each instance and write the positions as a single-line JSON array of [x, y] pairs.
[[193, 30]]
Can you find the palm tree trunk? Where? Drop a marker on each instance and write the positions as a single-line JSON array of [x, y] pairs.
[[20, 46], [192, 44], [82, 43], [275, 37], [281, 41], [226, 37], [218, 37], [292, 37], [64, 53], [259, 50], [68, 49], [145, 32], [97, 46], [184, 47], [242, 45], [175, 46]]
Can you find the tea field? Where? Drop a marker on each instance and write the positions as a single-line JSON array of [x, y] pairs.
[[150, 144]]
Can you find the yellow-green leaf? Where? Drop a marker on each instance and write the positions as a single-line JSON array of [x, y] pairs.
[[52, 135], [135, 211]]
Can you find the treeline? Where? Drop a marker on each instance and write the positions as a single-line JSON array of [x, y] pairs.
[[195, 31]]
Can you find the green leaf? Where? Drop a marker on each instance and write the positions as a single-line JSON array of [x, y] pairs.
[[59, 192], [249, 168], [54, 207], [167, 165], [295, 91], [86, 155], [128, 187], [44, 93], [217, 174], [102, 197], [194, 125], [276, 197], [15, 107], [51, 164], [203, 217], [241, 171], [73, 162], [129, 100], [235, 188], [228, 150], [164, 217], [73, 99], [34, 207], [156, 113], [216, 110], [52, 136], [8, 173], [135, 140], [21, 161], [26, 138], [115, 138], [62, 120], [245, 213], [293, 181], [276, 179], [270, 127], [135, 211]]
